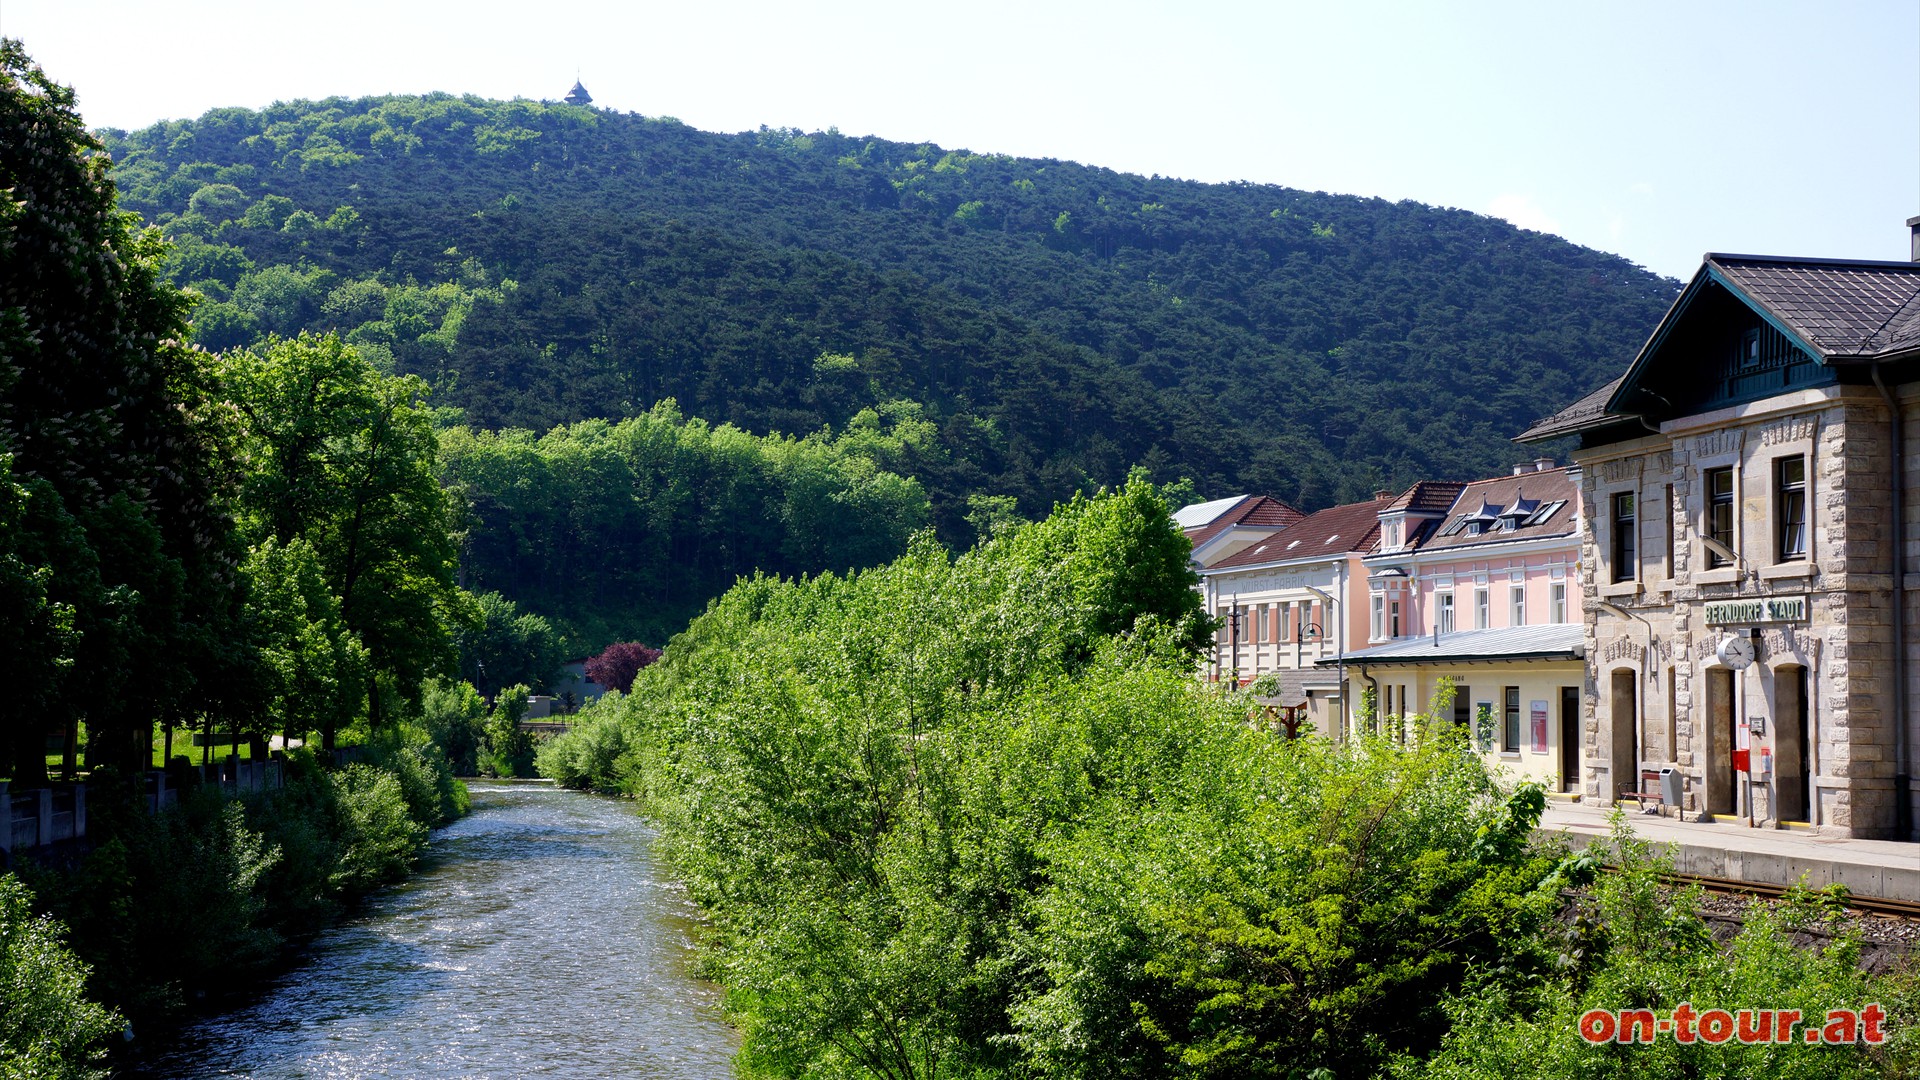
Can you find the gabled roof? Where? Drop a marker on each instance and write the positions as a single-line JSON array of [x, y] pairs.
[[1241, 511], [1195, 515], [1840, 311], [1337, 530], [1546, 641], [1426, 497], [1590, 411], [1551, 513]]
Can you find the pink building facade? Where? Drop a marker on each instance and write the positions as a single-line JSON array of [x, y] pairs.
[[1291, 601], [1479, 584]]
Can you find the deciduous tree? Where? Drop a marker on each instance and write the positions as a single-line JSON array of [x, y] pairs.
[[114, 439], [619, 664], [341, 457]]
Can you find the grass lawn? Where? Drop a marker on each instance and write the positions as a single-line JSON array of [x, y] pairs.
[[182, 746]]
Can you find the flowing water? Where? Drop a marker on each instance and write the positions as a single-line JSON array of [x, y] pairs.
[[538, 937]]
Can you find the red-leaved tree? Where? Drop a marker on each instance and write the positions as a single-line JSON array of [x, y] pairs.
[[616, 667]]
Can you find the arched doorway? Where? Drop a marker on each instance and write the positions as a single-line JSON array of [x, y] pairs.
[[1624, 764], [1719, 739], [1790, 741]]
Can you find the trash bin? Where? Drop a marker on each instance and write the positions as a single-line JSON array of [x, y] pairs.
[[1670, 787]]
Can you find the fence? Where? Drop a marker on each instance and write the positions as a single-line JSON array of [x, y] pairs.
[[37, 820]]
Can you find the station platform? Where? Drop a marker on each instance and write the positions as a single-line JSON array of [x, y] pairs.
[[1873, 868]]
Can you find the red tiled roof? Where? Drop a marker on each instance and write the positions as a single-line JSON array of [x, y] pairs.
[[1428, 497], [1333, 531], [1254, 511]]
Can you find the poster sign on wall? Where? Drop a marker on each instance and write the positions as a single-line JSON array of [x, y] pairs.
[[1539, 711]]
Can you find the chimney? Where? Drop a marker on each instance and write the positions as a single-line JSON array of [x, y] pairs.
[[1544, 464], [1913, 225], [1519, 467]]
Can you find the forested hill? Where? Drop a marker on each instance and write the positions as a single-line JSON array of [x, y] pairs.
[[543, 263]]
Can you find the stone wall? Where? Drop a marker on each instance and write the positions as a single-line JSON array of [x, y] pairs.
[[1845, 643]]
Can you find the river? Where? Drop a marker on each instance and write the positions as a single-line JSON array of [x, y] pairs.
[[538, 937]]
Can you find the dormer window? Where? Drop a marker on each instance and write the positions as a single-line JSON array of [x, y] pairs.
[[1520, 513], [1485, 520]]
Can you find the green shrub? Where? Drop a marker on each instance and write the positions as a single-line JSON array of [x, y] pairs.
[[434, 796], [1638, 944], [378, 835], [974, 817], [599, 750], [508, 750], [48, 1029], [455, 718], [297, 892]]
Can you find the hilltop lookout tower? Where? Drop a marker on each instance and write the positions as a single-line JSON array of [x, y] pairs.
[[578, 95]]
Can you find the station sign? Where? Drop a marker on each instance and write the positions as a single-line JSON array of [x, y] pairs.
[[1763, 610]]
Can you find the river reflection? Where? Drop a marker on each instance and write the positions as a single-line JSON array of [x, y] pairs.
[[538, 938]]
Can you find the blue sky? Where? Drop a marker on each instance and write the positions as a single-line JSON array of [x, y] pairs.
[[1655, 130]]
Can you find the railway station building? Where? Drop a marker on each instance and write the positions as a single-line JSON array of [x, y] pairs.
[[1747, 550]]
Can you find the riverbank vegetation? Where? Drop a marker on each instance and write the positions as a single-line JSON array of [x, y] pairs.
[[49, 1029], [204, 895], [973, 816], [250, 545]]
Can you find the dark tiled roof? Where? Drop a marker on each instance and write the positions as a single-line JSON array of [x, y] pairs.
[[1334, 531], [1842, 309], [1586, 412], [1542, 489], [1294, 683], [1547, 641]]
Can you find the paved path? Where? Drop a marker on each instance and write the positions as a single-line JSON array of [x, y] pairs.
[[1881, 868]]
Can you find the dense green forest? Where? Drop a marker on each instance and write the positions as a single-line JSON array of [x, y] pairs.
[[540, 264]]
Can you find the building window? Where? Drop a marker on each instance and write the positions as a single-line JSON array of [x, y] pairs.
[[1394, 628], [1259, 624], [1518, 615], [1482, 610], [1463, 706], [1510, 730], [1790, 506], [1625, 555], [1669, 530], [1377, 629], [1287, 632], [1719, 512], [1445, 603], [1559, 606]]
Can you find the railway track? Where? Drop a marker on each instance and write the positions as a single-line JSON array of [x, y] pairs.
[[1906, 910]]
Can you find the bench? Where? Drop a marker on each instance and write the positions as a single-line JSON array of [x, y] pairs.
[[1645, 795]]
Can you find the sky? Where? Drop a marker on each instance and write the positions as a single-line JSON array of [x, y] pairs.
[[1655, 130]]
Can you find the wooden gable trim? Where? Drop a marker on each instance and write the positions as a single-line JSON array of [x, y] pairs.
[[1707, 276]]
